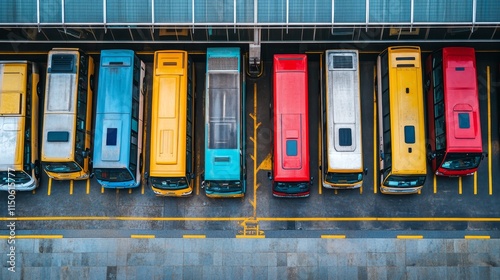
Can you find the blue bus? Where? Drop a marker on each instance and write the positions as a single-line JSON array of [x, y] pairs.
[[119, 120], [225, 168]]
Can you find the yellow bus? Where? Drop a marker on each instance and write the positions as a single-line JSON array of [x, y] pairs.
[[19, 92], [171, 166], [401, 128], [67, 115]]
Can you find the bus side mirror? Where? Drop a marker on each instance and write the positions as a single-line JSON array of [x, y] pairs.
[[381, 155], [269, 175], [191, 176], [320, 168], [312, 178], [365, 171], [86, 153], [484, 155]]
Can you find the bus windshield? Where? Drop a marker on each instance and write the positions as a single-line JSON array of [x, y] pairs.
[[169, 183], [459, 161], [14, 177], [344, 178], [62, 167], [113, 175], [404, 181]]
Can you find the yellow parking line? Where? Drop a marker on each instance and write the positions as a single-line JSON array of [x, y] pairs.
[[361, 190], [435, 185], [194, 236], [142, 236], [88, 186], [33, 191], [32, 236], [129, 191], [117, 190], [142, 189], [49, 189], [333, 236], [477, 237], [410, 236], [102, 189], [460, 185], [475, 183], [240, 236], [375, 153], [197, 184], [71, 182], [490, 155]]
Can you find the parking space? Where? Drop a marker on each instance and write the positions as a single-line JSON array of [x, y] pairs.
[[468, 203]]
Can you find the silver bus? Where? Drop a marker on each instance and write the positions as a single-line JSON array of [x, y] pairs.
[[342, 156]]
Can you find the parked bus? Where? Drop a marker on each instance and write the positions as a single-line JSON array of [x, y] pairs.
[[19, 92], [400, 103], [171, 165], [291, 174], [119, 120], [341, 118], [225, 168], [67, 117], [455, 146]]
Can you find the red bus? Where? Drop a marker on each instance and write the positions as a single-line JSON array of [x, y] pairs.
[[291, 176], [454, 129]]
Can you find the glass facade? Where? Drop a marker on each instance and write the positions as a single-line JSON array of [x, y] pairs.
[[207, 12]]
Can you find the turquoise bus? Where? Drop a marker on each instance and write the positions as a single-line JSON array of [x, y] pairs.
[[224, 124]]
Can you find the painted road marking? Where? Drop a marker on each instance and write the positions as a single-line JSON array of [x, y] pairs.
[[477, 237], [266, 164], [241, 236], [88, 186], [142, 236], [194, 236], [475, 183], [435, 185], [49, 189], [460, 185], [333, 236], [71, 186], [253, 156], [409, 236], [31, 236]]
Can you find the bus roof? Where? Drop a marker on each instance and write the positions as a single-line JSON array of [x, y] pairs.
[[406, 98], [113, 109], [343, 111], [168, 123], [223, 126], [461, 100], [60, 107], [13, 80], [291, 161]]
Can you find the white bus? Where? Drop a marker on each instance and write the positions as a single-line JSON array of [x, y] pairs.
[[342, 160]]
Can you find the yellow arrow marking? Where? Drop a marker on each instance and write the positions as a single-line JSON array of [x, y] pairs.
[[266, 164]]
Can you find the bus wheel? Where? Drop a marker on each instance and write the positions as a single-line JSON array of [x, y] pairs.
[[37, 169], [38, 90], [91, 82], [140, 162], [91, 168]]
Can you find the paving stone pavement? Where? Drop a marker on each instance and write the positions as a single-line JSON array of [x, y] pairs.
[[241, 259]]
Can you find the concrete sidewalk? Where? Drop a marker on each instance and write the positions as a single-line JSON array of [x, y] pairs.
[[271, 258]]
